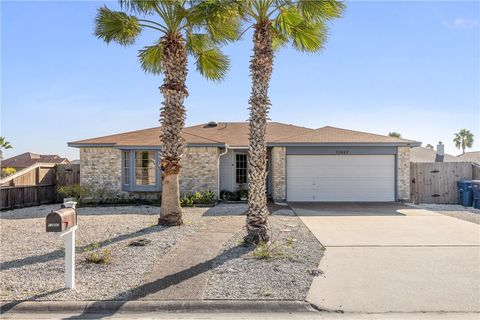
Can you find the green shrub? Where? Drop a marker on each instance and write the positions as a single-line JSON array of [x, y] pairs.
[[186, 201], [268, 251], [8, 171], [99, 256], [74, 191], [206, 197], [242, 193]]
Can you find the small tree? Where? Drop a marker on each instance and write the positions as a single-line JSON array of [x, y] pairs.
[[394, 134], [7, 172], [429, 146], [463, 139], [4, 144]]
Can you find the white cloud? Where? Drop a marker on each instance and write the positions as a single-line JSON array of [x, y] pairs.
[[463, 23]]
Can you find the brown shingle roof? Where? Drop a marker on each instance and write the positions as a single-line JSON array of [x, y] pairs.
[[337, 135], [231, 133], [235, 134], [28, 159]]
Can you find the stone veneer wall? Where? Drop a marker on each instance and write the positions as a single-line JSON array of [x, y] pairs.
[[199, 170], [100, 168], [403, 174], [278, 178]]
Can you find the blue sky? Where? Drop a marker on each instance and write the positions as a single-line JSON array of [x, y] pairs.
[[411, 67]]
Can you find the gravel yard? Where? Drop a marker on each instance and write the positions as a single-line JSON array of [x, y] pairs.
[[32, 260], [454, 210], [287, 276]]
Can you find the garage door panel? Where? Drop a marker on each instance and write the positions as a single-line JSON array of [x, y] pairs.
[[340, 178]]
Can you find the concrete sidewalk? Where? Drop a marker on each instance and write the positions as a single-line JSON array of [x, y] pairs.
[[417, 261]]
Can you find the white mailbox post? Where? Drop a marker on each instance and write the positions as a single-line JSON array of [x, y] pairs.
[[65, 221]]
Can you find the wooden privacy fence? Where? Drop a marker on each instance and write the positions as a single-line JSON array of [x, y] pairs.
[[37, 185], [436, 182]]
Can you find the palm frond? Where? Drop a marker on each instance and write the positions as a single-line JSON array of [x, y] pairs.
[[309, 37], [139, 6], [321, 10], [116, 26], [151, 58], [221, 19], [286, 19], [209, 60]]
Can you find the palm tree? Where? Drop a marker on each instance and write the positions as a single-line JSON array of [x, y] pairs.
[[194, 28], [463, 139], [394, 134], [4, 144], [275, 23]]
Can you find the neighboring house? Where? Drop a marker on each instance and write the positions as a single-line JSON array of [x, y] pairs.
[[421, 154], [473, 156], [326, 164], [28, 159]]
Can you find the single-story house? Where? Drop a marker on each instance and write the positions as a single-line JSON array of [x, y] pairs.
[[472, 156], [325, 164], [422, 154], [28, 159]]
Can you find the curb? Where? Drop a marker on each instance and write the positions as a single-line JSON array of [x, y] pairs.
[[110, 307]]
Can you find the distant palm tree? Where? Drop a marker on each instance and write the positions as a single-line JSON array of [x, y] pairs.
[[4, 144], [394, 134], [429, 146], [275, 23], [183, 27], [463, 139]]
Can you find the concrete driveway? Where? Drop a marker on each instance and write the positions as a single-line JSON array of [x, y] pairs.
[[393, 258]]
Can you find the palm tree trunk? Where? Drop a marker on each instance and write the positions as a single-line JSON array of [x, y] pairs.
[[172, 119], [261, 70]]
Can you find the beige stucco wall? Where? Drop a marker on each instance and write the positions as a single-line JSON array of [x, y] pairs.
[[100, 168], [278, 177], [403, 174], [199, 170]]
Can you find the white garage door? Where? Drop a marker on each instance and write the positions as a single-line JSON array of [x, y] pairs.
[[341, 178]]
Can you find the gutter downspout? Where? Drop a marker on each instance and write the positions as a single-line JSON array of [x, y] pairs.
[[218, 170]]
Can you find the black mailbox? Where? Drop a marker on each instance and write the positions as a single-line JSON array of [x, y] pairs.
[[62, 219]]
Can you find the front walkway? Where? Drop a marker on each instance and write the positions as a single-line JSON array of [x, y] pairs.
[[398, 259], [182, 274]]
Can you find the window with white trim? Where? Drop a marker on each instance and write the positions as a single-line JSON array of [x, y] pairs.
[[241, 168]]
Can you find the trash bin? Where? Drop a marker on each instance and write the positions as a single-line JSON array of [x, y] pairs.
[[466, 193], [476, 193]]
